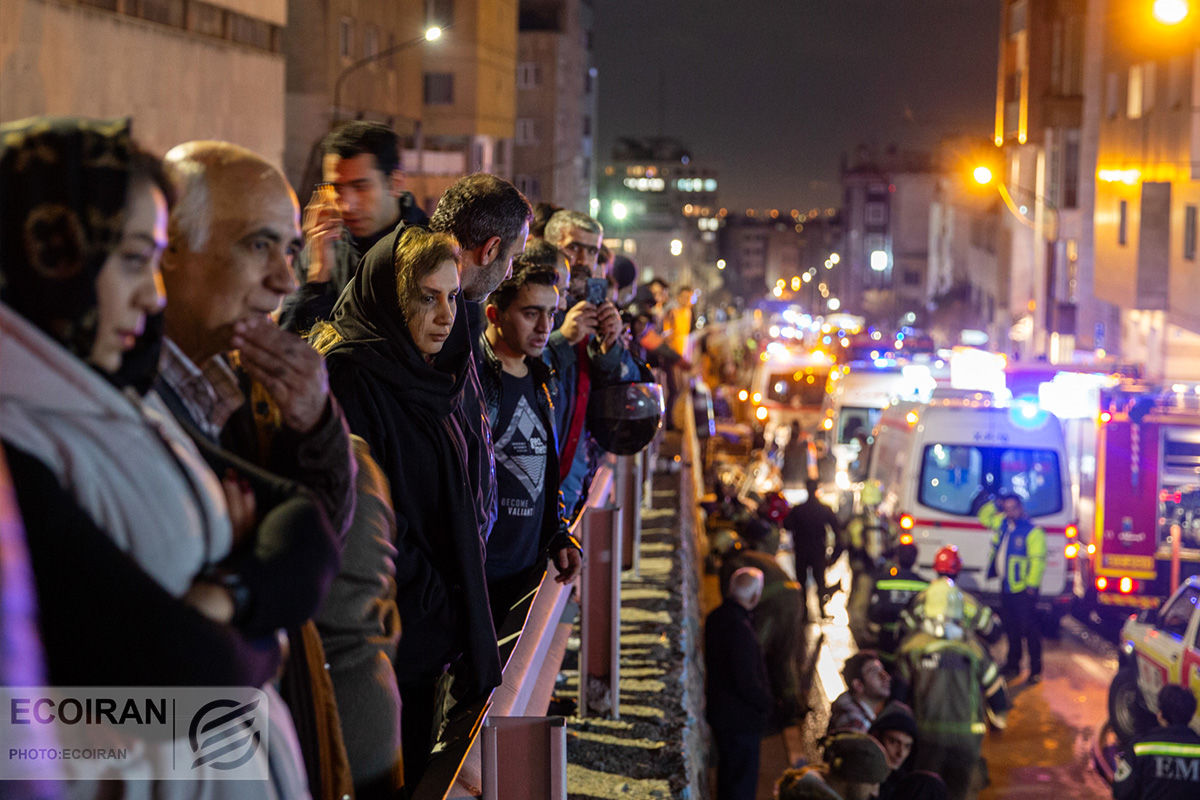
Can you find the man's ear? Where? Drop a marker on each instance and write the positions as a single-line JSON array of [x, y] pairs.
[[489, 251], [492, 313], [396, 183]]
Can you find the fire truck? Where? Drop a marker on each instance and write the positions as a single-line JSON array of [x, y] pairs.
[[1145, 536]]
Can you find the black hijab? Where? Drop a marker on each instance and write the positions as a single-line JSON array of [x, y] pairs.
[[64, 185], [371, 322], [413, 401]]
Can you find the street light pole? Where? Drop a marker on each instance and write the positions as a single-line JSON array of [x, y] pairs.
[[430, 35]]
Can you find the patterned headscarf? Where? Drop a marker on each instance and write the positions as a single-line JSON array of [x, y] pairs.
[[63, 187]]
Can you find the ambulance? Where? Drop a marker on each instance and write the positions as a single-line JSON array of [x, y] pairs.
[[937, 462], [856, 396], [789, 385]]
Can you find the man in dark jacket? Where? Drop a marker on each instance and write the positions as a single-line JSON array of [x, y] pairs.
[[232, 237], [738, 692], [1165, 764], [490, 219], [517, 388], [809, 522], [360, 165]]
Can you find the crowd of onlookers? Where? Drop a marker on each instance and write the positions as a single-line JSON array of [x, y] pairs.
[[355, 425]]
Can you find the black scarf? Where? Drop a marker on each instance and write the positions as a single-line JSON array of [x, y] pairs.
[[416, 401], [63, 190]]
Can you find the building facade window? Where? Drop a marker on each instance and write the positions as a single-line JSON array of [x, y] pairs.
[[370, 41], [529, 75], [346, 37], [529, 186], [439, 88], [1112, 95], [1070, 187], [1122, 222], [1189, 233], [875, 214], [526, 131]]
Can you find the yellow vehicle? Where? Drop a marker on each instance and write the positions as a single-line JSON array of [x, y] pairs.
[[1157, 647]]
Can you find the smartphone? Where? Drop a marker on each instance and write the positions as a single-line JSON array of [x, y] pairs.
[[597, 291]]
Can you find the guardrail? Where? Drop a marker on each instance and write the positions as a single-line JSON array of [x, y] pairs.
[[519, 747]]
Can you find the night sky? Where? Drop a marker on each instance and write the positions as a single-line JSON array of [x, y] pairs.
[[773, 92]]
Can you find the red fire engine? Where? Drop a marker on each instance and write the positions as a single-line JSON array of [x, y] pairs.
[[1146, 534]]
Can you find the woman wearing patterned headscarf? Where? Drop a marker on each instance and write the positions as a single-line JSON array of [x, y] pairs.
[[121, 513]]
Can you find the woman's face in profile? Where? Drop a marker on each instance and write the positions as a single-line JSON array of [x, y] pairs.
[[431, 321], [129, 286]]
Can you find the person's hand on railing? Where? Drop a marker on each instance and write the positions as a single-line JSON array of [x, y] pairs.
[[568, 562]]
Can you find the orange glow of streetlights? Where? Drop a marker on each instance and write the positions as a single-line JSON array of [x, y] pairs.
[[982, 175], [1171, 12]]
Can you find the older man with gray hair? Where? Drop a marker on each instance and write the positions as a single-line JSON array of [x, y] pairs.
[[738, 691], [247, 390]]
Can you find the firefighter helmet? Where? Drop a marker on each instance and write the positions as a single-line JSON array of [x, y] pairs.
[[943, 611], [947, 561]]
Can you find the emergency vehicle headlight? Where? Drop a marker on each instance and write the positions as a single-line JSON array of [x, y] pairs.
[[1071, 550], [1072, 531], [1102, 583], [907, 522], [1127, 585], [758, 397], [743, 395], [761, 413], [906, 538], [1091, 548], [827, 424]]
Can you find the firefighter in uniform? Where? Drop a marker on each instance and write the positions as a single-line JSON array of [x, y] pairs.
[[894, 588], [978, 618], [1166, 763], [1018, 558], [950, 678]]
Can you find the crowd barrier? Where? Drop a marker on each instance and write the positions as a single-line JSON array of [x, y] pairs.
[[505, 746]]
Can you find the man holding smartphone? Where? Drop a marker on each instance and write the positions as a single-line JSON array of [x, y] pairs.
[[585, 351], [360, 201]]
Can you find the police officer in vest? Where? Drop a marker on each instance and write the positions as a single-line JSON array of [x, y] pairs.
[[1018, 558], [1165, 764]]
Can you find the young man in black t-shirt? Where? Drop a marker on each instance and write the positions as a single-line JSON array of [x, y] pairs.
[[517, 389]]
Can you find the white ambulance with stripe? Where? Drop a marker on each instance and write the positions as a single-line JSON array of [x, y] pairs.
[[936, 462]]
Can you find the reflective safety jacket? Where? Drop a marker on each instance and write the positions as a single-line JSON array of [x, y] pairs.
[[978, 619], [1018, 553], [892, 592], [1164, 765], [948, 680]]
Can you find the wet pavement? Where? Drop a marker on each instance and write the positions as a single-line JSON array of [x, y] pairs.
[[1045, 752]]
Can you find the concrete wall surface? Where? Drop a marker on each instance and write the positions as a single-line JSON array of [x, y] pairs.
[[57, 59]]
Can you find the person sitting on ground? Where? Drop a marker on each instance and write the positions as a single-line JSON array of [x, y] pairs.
[[1165, 764], [896, 731], [868, 688], [737, 687], [398, 364], [804, 783], [921, 784], [855, 766], [517, 386]]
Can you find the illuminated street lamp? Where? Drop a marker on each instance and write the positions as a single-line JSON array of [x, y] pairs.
[[982, 175], [431, 34], [834, 258], [721, 263], [806, 277], [1170, 12], [834, 304]]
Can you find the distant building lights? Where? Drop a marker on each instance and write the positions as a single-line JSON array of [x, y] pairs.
[[879, 260], [620, 210]]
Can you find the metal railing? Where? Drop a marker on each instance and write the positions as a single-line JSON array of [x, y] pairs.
[[510, 726]]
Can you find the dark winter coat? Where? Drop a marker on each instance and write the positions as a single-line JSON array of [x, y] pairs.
[[405, 409], [738, 692]]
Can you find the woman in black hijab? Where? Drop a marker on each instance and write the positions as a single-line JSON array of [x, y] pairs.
[[397, 362]]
